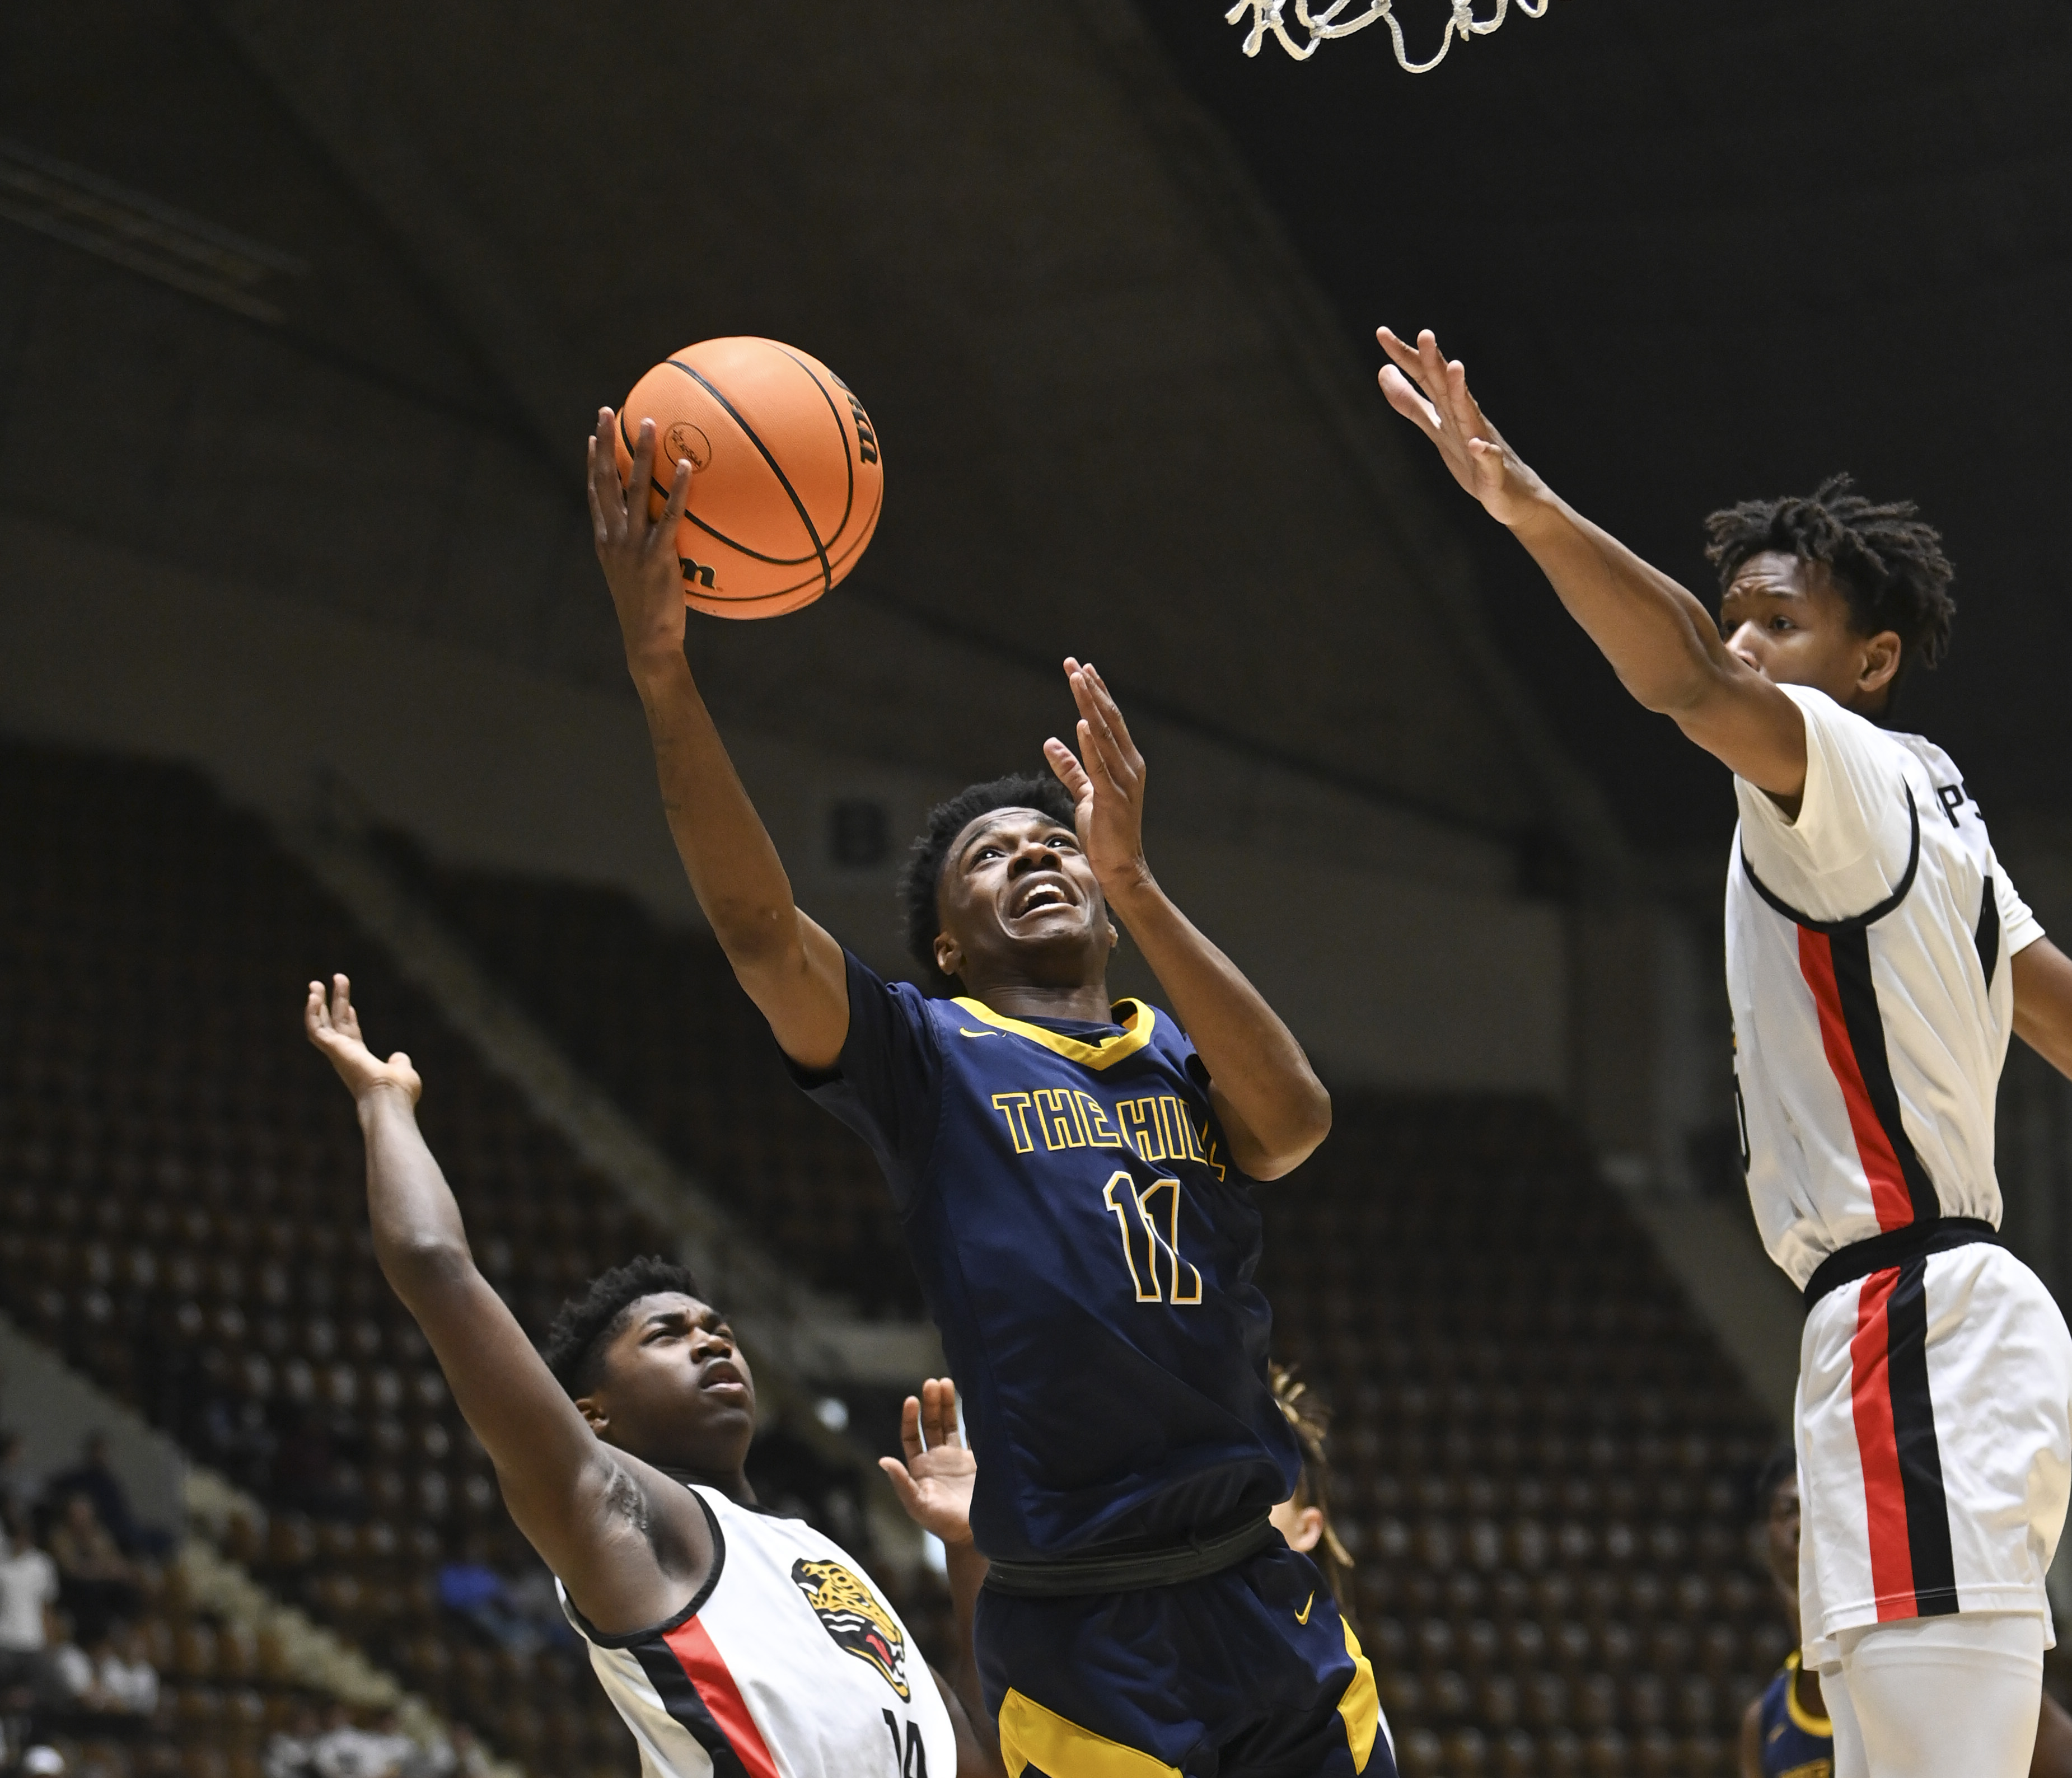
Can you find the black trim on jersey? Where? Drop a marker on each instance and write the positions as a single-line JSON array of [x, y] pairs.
[[656, 1631], [1876, 913], [679, 1697], [1987, 937], [1920, 1455], [1849, 949]]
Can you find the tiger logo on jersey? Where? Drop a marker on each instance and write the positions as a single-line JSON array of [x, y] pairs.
[[850, 1613]]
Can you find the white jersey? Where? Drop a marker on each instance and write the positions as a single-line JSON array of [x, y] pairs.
[[785, 1664], [1868, 948]]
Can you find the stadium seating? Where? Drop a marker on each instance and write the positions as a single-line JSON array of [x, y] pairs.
[[1542, 1456], [183, 1216], [1540, 1451]]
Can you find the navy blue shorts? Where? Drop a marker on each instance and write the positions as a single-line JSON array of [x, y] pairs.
[[1249, 1673]]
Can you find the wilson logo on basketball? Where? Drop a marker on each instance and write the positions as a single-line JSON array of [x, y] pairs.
[[850, 1613], [685, 440]]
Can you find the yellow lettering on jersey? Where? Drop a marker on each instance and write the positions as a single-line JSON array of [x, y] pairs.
[[1208, 1143], [1014, 1107], [1140, 1119], [1121, 1196], [1055, 1107], [1178, 1130], [1093, 1119], [1182, 1290]]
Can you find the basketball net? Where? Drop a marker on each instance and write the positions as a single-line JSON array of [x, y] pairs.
[[1268, 15]]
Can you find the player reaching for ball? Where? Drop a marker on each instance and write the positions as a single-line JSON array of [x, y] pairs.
[[1075, 1179], [1877, 958]]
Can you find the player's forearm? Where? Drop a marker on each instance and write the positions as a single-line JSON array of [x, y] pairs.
[[1661, 642], [734, 868], [1257, 1065], [2043, 1002], [967, 1572], [418, 1236]]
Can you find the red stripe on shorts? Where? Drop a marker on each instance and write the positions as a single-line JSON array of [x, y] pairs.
[[1890, 1199], [706, 1669], [1877, 1446]]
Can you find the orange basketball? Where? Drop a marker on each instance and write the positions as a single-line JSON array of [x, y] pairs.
[[786, 483]]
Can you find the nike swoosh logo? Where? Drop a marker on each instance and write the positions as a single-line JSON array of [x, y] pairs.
[[1302, 1616], [963, 1032]]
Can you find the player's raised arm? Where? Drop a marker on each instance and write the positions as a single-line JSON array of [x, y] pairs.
[[630, 1546], [934, 1486], [1661, 640], [791, 968], [1272, 1105]]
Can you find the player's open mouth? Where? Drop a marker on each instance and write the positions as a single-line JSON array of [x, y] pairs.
[[1040, 895], [721, 1376]]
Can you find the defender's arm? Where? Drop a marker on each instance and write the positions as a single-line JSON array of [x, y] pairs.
[[1272, 1105], [1664, 645], [2043, 1003], [935, 1485], [791, 968], [630, 1546]]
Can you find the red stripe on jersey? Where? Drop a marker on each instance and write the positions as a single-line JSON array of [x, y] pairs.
[[1877, 1447], [704, 1668], [1890, 1199]]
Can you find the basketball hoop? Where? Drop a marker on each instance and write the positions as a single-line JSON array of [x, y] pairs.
[[1267, 15]]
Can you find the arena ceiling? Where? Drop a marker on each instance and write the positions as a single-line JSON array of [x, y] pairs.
[[1692, 251]]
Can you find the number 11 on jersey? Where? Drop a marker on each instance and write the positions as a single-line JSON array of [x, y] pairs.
[[1137, 1215]]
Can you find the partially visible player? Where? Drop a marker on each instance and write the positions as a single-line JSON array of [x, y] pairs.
[[733, 1644], [1304, 1517], [1786, 1732], [1877, 959], [1074, 1177]]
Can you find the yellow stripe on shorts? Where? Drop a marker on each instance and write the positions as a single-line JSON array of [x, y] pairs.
[[1361, 1706], [1030, 1735]]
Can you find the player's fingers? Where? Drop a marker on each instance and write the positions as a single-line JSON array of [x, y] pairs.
[[903, 1483], [680, 496], [638, 480], [607, 499], [910, 1429], [1113, 728], [1404, 396], [1070, 772], [938, 1422], [316, 1016]]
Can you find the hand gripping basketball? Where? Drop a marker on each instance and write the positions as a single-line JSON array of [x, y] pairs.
[[787, 479]]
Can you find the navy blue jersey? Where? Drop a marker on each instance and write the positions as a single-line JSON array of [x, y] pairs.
[[1086, 1249], [1794, 1745]]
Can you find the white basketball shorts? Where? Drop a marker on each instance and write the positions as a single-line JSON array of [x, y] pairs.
[[1934, 1435]]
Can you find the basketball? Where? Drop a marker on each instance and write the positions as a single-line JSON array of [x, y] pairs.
[[786, 481]]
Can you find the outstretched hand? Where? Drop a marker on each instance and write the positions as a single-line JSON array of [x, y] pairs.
[[638, 551], [935, 1483], [1106, 780], [334, 1027], [1431, 392]]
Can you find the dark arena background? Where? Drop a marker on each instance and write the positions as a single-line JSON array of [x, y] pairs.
[[305, 664]]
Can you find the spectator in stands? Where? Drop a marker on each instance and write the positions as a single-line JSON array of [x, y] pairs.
[[124, 1681], [97, 1583], [92, 1476], [345, 1750], [291, 1751], [28, 1600]]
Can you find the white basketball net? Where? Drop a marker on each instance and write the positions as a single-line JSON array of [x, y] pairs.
[[1324, 22]]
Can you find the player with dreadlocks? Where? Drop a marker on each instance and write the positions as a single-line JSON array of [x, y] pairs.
[[1877, 960], [1075, 1175]]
